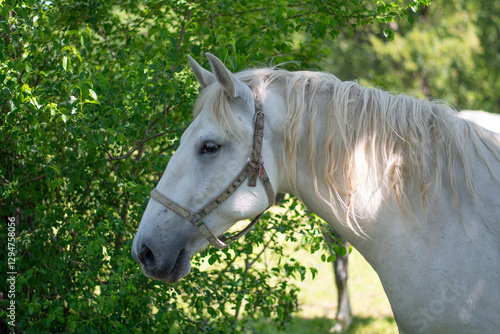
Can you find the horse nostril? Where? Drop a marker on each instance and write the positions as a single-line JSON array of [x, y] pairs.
[[147, 258]]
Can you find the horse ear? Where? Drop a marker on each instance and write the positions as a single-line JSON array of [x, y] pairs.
[[232, 85], [204, 77]]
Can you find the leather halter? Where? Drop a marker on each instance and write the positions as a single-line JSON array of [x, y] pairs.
[[254, 168]]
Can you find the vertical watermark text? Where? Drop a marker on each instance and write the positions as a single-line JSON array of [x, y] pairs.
[[11, 273]]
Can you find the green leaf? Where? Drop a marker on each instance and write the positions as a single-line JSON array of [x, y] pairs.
[[93, 94], [343, 251], [85, 91], [389, 34], [56, 168], [153, 31], [411, 20], [34, 102], [65, 63]]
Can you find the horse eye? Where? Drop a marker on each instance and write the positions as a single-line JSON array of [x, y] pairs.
[[209, 148]]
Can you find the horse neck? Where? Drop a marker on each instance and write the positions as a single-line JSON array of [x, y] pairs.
[[371, 164], [332, 162], [314, 156], [408, 258]]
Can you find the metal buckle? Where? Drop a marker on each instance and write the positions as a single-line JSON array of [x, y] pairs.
[[198, 218]]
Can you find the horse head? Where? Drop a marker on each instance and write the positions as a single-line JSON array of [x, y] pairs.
[[201, 195]]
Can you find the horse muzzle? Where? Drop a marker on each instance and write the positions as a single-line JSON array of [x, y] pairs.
[[168, 263]]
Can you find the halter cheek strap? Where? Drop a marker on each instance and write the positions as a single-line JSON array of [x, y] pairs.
[[254, 168]]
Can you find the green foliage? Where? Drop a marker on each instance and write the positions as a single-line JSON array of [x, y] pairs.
[[93, 99], [449, 53]]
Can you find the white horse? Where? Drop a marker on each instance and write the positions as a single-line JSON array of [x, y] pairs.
[[413, 187], [485, 119], [344, 315]]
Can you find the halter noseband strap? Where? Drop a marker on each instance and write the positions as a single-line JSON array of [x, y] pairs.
[[254, 168]]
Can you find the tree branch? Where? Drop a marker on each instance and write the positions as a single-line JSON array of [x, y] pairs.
[[183, 30], [263, 9], [101, 32], [5, 140], [52, 236], [136, 146], [263, 250], [38, 178]]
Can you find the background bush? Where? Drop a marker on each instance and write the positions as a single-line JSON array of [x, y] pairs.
[[94, 96]]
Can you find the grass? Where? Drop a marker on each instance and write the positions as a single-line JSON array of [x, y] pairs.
[[318, 300]]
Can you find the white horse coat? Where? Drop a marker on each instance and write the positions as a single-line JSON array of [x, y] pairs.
[[413, 187]]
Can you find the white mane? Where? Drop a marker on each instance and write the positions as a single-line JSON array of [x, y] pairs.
[[372, 139]]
